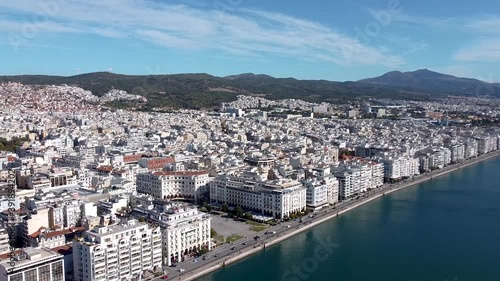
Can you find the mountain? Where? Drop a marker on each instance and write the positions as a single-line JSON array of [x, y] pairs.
[[433, 82], [201, 90], [248, 76]]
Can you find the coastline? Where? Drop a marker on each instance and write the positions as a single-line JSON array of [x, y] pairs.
[[331, 214]]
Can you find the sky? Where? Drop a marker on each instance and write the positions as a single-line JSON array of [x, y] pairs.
[[339, 40]]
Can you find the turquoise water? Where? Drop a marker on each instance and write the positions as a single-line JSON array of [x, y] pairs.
[[447, 229]]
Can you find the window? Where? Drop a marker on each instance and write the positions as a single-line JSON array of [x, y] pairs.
[[57, 271]]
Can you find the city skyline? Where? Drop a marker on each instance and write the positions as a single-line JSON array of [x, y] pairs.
[[333, 41]]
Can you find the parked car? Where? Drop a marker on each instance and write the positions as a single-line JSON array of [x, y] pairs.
[[181, 270], [165, 277], [233, 248]]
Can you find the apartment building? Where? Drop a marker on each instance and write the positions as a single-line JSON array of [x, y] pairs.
[[322, 188], [117, 252]]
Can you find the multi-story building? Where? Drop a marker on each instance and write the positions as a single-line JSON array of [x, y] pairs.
[[278, 198], [169, 185], [471, 149], [185, 231], [399, 167], [322, 189], [117, 252], [32, 264], [457, 152], [349, 182], [4, 239]]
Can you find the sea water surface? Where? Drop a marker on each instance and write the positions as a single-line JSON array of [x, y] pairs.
[[446, 229]]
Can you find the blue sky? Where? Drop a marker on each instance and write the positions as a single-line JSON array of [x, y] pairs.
[[334, 40]]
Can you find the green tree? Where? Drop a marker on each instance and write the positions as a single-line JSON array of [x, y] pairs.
[[224, 208], [248, 216], [203, 251], [209, 208], [213, 233], [239, 212]]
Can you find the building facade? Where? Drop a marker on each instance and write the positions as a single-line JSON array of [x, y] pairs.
[[117, 252]]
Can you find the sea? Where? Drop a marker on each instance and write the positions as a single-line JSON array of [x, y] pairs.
[[444, 229]]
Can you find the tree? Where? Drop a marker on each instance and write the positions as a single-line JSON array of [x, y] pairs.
[[239, 211], [213, 233], [248, 216], [224, 208], [203, 250], [209, 208]]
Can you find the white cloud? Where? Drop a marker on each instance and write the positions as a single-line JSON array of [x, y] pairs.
[[241, 32], [487, 50], [427, 21], [489, 25]]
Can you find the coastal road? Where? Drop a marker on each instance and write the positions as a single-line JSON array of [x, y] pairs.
[[232, 251]]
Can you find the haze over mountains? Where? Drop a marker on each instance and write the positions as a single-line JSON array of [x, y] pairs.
[[204, 90]]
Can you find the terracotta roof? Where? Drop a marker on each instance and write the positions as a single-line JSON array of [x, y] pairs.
[[57, 232], [105, 168], [64, 249], [132, 158]]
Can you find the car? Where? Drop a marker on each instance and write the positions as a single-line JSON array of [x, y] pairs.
[[273, 232], [287, 226], [181, 270], [233, 248], [244, 243], [164, 277], [216, 255]]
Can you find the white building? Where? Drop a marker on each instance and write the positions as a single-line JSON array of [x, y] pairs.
[[169, 185], [185, 232], [400, 167], [32, 264], [278, 198], [117, 252], [322, 189]]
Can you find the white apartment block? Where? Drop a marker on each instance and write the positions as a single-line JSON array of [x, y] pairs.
[[185, 232], [457, 152], [117, 252], [170, 185], [349, 182], [277, 198], [398, 168], [471, 149], [32, 264], [321, 193], [487, 144]]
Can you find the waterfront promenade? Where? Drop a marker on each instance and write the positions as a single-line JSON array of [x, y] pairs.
[[227, 254]]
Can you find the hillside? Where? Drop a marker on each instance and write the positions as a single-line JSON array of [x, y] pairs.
[[434, 82], [204, 90]]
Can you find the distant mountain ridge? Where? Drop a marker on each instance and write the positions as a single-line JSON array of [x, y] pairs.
[[199, 90], [432, 82]]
